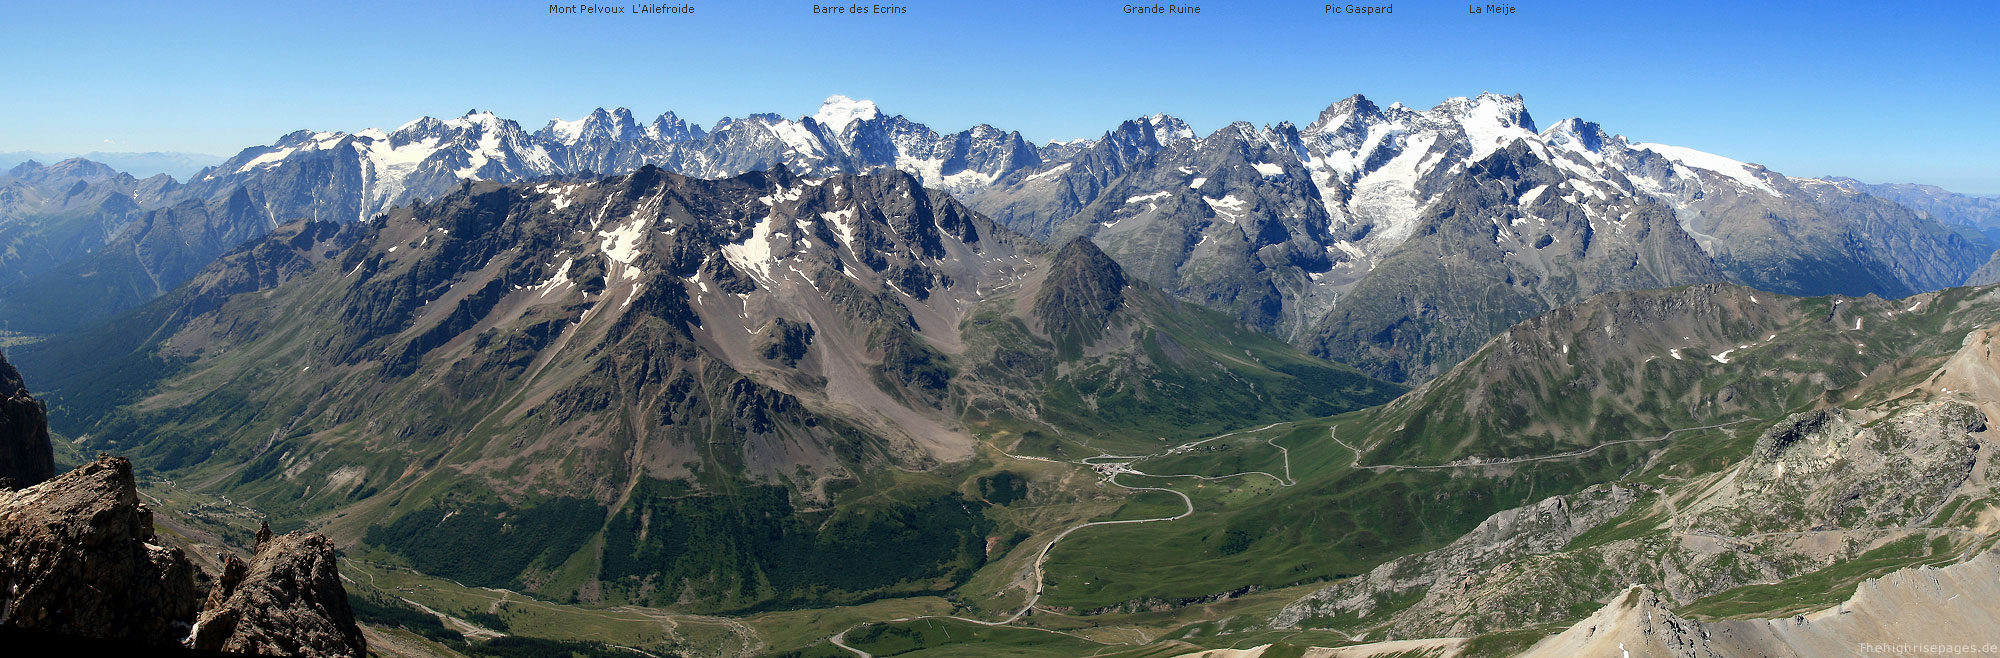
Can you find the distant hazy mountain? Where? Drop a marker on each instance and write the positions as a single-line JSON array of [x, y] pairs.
[[83, 241], [177, 164], [1942, 204]]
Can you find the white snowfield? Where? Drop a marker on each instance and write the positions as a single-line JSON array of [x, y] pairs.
[[1728, 168]]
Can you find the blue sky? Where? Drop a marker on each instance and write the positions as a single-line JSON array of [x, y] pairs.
[[1881, 92]]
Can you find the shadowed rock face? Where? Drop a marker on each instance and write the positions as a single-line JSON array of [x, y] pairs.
[[1987, 274], [25, 455], [81, 559], [287, 601]]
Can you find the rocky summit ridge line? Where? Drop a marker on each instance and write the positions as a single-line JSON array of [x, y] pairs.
[[1477, 213]]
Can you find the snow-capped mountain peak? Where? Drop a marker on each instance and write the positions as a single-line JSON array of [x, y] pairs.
[[616, 125], [1169, 129], [419, 123], [1343, 113], [1490, 121], [566, 132], [839, 111], [1576, 135], [672, 128], [476, 120]]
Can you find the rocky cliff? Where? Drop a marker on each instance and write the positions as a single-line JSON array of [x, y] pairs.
[[25, 455], [286, 601], [83, 560]]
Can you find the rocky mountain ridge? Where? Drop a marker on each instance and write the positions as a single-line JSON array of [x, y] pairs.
[[1286, 226], [424, 158], [154, 234], [1977, 212], [1884, 467]]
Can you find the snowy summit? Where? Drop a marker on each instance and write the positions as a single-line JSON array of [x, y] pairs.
[[838, 111]]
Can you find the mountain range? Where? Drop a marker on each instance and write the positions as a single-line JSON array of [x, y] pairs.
[[771, 392], [577, 360], [1284, 227], [1439, 382]]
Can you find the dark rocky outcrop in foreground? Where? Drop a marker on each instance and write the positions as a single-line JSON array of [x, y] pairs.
[[25, 455], [81, 559]]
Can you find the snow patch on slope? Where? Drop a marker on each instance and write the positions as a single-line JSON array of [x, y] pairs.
[[753, 255], [1489, 125], [1228, 207], [1052, 172], [622, 244], [1388, 196], [1731, 169]]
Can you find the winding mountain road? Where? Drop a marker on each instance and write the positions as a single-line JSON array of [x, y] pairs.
[[1116, 468]]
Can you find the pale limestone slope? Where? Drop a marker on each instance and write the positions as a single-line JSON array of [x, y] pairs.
[[1956, 606]]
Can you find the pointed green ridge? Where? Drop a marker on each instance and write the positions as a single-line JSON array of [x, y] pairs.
[[1083, 289]]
